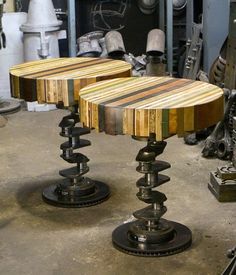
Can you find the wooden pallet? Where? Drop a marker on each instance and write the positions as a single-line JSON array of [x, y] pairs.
[[60, 80], [144, 105]]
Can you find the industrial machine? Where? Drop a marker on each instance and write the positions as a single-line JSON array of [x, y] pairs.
[[2, 34], [221, 142]]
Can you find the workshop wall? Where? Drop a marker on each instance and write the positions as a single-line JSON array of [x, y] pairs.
[[124, 16]]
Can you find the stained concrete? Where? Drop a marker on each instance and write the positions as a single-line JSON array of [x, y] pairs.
[[36, 238]]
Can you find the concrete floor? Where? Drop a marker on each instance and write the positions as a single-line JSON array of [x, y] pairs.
[[36, 238]]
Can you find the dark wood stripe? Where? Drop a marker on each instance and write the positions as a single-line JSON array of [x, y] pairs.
[[153, 94], [126, 96], [101, 117], [165, 123], [70, 84], [138, 112], [28, 89], [113, 120], [67, 68], [11, 85]]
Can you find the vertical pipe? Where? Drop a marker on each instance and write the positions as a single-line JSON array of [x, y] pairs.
[[162, 15], [71, 28], [215, 29], [189, 19], [169, 23]]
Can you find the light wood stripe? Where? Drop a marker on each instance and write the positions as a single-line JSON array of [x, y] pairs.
[[161, 105], [60, 80]]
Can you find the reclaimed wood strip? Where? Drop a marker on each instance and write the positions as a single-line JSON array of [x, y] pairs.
[[146, 92], [159, 131], [189, 119], [128, 121], [67, 70], [46, 64], [165, 123], [27, 89], [172, 121], [41, 93], [152, 120], [65, 97], [180, 122], [51, 74], [208, 113], [15, 87], [145, 105], [77, 87], [94, 116], [113, 121]]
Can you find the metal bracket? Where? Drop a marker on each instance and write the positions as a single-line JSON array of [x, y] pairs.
[[193, 56]]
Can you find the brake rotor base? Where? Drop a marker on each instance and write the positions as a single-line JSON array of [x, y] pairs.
[[52, 196], [182, 239]]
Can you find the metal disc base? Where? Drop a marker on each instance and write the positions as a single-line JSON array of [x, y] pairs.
[[182, 239], [101, 193]]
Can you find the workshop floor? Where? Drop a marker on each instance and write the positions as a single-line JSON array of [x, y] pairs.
[[36, 238]]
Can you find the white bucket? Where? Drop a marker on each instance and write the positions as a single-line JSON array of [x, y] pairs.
[[13, 53]]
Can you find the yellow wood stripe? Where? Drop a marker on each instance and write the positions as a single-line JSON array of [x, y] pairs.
[[188, 94], [92, 70], [60, 80], [40, 65], [116, 88], [111, 90], [186, 98], [161, 104], [153, 102], [94, 67]]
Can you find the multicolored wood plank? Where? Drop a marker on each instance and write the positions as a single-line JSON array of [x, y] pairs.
[[60, 80], [142, 105]]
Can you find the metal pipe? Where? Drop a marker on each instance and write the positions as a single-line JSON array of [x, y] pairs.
[[189, 20], [162, 15], [169, 19], [115, 45], [71, 28], [155, 42]]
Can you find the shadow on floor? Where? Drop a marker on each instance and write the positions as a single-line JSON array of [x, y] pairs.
[[30, 200], [5, 222]]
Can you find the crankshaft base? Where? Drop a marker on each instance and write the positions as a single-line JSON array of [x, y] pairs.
[[181, 240], [53, 196]]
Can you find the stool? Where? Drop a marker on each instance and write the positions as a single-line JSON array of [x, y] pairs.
[[59, 81], [151, 109]]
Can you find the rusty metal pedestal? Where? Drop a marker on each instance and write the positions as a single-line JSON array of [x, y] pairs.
[[75, 190], [150, 235]]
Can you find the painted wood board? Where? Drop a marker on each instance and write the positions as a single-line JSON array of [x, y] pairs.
[[143, 105], [59, 80]]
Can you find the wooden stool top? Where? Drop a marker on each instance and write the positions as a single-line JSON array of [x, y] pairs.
[[60, 80], [142, 105]]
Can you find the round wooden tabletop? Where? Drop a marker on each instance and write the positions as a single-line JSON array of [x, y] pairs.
[[60, 80], [142, 105]]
